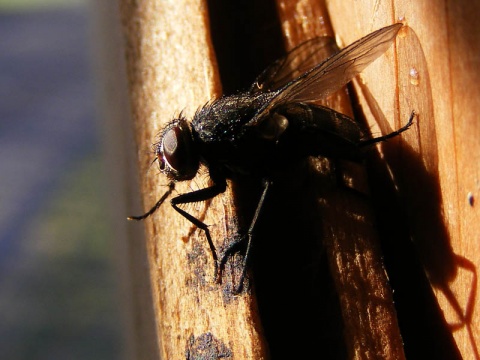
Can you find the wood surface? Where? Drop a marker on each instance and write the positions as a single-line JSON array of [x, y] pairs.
[[171, 68], [347, 224], [422, 203], [437, 171]]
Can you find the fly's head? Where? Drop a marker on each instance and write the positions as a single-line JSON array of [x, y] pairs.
[[176, 153]]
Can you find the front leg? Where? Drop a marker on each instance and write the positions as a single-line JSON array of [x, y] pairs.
[[196, 196]]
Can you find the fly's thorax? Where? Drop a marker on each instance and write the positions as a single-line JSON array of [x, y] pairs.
[[227, 118], [176, 151]]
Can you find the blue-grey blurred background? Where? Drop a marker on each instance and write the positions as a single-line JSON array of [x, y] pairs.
[[58, 293]]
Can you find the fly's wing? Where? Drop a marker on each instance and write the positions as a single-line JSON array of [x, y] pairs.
[[298, 61], [333, 73]]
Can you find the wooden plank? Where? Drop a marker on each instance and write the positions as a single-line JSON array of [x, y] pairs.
[[347, 222], [437, 171], [171, 68]]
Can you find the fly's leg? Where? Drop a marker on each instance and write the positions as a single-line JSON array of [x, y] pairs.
[[250, 233], [195, 196], [340, 173], [171, 187], [391, 135]]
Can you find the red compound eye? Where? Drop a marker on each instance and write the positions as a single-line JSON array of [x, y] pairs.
[[175, 153]]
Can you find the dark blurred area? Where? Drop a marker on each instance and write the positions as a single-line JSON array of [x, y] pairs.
[[58, 293]]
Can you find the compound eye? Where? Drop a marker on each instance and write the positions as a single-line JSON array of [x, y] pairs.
[[172, 152], [176, 155]]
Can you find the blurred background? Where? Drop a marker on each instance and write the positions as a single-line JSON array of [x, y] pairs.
[[59, 293]]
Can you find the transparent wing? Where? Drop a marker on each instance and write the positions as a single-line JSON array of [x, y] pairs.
[[298, 61], [333, 73]]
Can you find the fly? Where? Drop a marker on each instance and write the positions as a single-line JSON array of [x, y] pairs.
[[259, 132]]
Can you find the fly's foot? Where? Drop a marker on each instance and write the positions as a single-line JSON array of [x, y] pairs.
[[217, 273], [234, 246]]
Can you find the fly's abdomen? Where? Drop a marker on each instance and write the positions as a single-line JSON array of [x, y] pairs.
[[316, 130]]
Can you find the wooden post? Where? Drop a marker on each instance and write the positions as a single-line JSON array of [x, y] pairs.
[[346, 220], [437, 171], [171, 69], [431, 69]]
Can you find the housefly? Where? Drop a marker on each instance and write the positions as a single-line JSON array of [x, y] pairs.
[[259, 132]]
